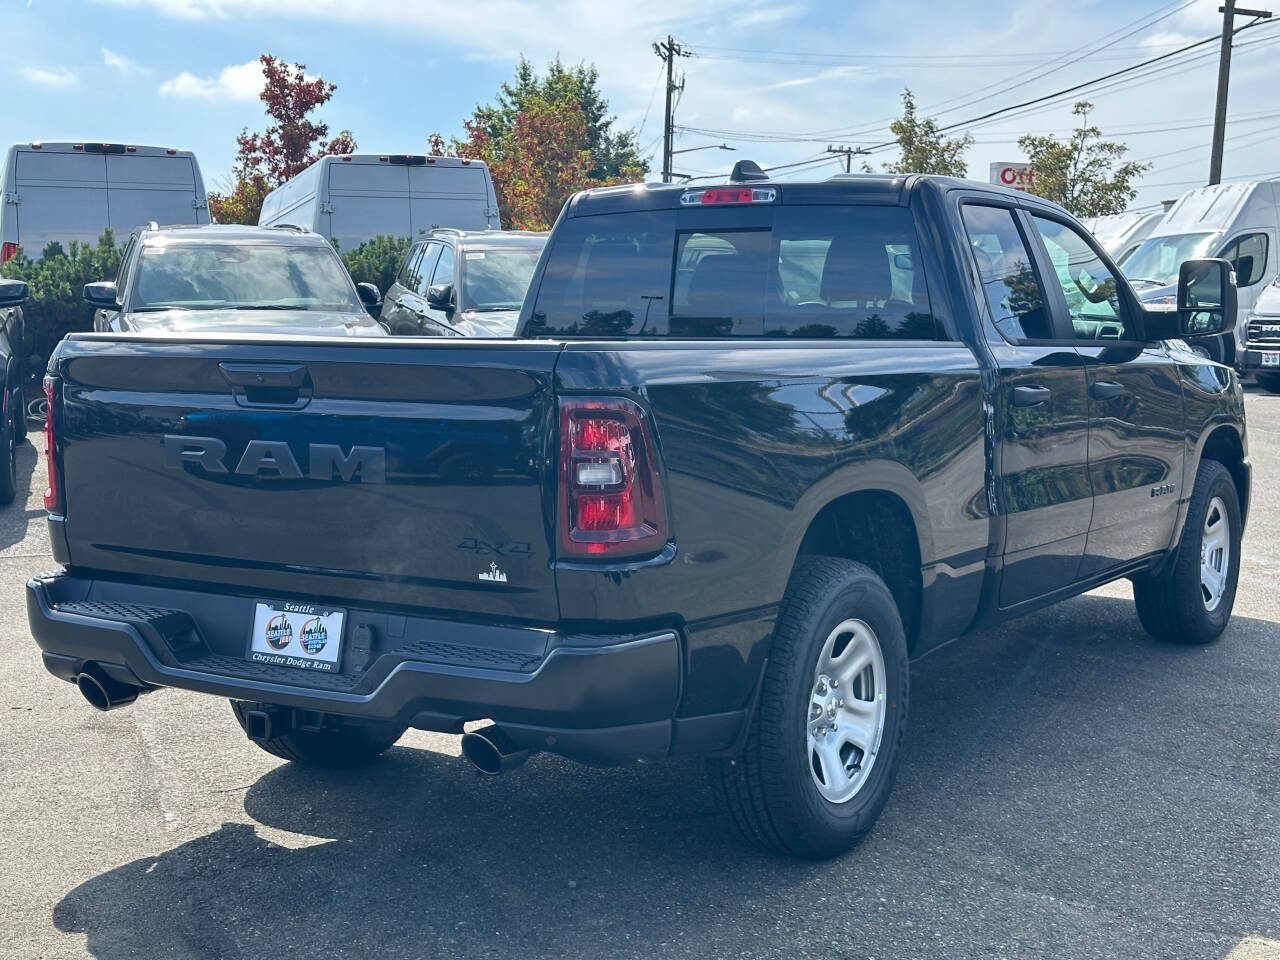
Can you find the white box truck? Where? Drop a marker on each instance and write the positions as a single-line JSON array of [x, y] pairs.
[[74, 191], [1239, 222], [352, 198]]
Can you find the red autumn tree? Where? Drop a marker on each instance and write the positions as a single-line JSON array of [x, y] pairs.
[[289, 145]]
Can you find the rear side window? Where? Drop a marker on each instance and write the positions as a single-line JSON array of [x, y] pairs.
[[1009, 281], [803, 271]]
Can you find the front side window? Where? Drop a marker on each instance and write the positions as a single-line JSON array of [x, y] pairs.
[[792, 271], [425, 268], [1009, 281], [1248, 256], [200, 275], [1090, 289], [444, 267]]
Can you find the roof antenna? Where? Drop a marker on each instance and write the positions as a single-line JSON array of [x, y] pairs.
[[745, 171]]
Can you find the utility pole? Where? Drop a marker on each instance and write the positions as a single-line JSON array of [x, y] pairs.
[[849, 154], [667, 52], [1229, 14]]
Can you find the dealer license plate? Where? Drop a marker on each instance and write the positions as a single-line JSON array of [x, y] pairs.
[[302, 635]]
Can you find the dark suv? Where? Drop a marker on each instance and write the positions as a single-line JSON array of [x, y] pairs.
[[456, 283]]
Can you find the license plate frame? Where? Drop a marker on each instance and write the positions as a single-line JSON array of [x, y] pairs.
[[1271, 359], [302, 636]]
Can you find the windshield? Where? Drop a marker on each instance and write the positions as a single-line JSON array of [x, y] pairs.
[[1158, 259], [206, 276], [496, 279]]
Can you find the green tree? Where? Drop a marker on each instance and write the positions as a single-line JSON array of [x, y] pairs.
[[57, 282], [376, 261], [923, 147], [1085, 174], [613, 153]]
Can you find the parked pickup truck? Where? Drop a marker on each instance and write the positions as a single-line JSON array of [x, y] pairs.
[[757, 445]]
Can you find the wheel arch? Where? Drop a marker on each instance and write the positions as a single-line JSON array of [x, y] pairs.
[[1223, 444], [876, 515]]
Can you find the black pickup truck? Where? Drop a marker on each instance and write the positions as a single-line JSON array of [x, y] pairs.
[[756, 446]]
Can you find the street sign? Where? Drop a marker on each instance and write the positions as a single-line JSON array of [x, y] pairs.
[[1016, 176]]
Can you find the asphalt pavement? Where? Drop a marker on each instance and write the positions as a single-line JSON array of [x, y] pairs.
[[1069, 789]]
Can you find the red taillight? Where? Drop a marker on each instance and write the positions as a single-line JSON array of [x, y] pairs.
[[610, 490], [52, 498], [8, 251]]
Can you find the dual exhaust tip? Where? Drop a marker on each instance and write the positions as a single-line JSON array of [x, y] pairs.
[[490, 749]]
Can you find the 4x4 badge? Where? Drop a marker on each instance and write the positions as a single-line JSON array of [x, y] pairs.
[[493, 574]]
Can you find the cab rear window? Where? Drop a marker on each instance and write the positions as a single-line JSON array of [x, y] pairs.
[[804, 271]]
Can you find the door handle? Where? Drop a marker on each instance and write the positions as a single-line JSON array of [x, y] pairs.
[[1106, 390], [1030, 396]]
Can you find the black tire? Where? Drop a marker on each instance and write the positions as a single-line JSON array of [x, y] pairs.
[[1269, 382], [347, 745], [1173, 607], [8, 460], [19, 417], [768, 790]]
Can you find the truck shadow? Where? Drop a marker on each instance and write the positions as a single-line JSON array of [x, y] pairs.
[[16, 517], [1064, 770]]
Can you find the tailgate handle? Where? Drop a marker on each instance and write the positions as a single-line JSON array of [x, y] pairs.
[[268, 384]]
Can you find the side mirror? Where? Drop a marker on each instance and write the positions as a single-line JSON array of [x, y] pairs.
[[1206, 298], [1243, 267], [440, 296], [13, 293], [102, 295], [369, 294]]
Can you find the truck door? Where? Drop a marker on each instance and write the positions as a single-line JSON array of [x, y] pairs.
[[1136, 441], [1040, 411]]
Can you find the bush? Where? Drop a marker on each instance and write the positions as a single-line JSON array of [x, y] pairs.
[[376, 261], [57, 281]]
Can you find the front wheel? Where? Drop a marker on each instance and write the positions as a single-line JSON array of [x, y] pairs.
[[1193, 603], [822, 750], [327, 745]]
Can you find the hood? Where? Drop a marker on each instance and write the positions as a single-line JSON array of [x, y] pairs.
[[1268, 304], [309, 323], [1155, 295], [489, 323]]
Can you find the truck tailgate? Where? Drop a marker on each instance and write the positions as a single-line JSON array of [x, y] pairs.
[[408, 474]]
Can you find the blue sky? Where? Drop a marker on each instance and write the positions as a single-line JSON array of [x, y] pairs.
[[182, 72]]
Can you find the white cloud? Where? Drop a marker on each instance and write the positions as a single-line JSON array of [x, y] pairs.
[[239, 82], [121, 63], [59, 78]]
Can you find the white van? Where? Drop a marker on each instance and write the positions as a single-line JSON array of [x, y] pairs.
[[352, 198], [74, 191], [1239, 222], [1121, 233]]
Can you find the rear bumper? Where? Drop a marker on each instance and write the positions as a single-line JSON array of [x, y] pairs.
[[600, 699]]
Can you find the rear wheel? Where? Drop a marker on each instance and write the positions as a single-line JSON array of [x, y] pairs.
[[327, 744], [1193, 603], [822, 751]]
